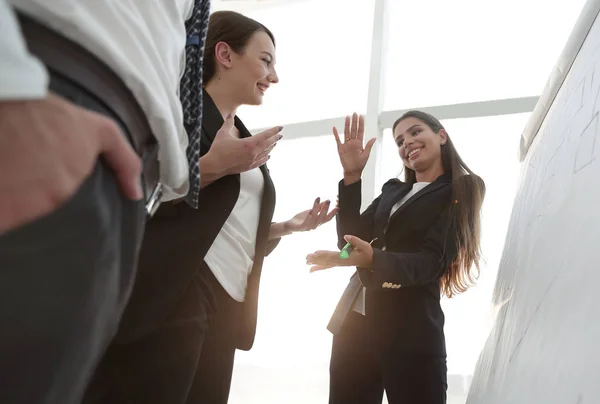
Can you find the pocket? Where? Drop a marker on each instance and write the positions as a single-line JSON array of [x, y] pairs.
[[69, 221], [43, 231]]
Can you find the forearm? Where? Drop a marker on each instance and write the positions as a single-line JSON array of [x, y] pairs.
[[209, 170], [22, 76], [348, 219], [279, 230]]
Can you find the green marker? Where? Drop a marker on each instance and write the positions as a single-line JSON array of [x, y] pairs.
[[346, 251], [348, 248]]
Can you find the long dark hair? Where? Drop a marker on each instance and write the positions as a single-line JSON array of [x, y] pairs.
[[232, 28], [468, 192]]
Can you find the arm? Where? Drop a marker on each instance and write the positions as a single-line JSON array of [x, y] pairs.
[[279, 230], [438, 251], [349, 219], [21, 75], [209, 171]]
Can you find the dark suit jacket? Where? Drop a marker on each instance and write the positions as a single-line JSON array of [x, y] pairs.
[[403, 293], [178, 238]]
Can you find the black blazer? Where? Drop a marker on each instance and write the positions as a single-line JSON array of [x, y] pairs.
[[403, 293], [178, 238]]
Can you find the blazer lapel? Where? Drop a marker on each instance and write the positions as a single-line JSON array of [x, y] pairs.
[[269, 188], [385, 207], [212, 120], [438, 183]]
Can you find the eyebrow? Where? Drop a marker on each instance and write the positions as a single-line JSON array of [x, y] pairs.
[[409, 129]]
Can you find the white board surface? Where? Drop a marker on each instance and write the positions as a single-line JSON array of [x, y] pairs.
[[545, 345]]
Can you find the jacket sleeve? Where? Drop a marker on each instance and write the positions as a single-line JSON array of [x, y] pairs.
[[394, 270], [349, 219], [22, 76]]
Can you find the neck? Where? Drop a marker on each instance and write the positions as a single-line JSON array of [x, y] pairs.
[[431, 174], [222, 96]]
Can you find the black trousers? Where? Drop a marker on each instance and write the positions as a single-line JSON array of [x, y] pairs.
[[64, 282], [212, 381], [360, 373], [188, 358]]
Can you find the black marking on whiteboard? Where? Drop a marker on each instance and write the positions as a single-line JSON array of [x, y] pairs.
[[586, 146]]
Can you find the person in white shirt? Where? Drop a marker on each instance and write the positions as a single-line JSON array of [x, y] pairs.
[[92, 140]]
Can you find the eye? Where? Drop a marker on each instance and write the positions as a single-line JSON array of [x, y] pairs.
[[267, 62], [400, 142], [416, 132]]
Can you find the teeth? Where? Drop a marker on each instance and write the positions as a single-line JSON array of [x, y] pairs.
[[413, 152]]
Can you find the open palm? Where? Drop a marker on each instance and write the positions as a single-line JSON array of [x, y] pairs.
[[353, 155]]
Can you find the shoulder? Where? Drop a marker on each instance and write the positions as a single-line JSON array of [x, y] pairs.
[[392, 184]]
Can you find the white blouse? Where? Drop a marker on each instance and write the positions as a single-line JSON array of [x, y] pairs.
[[231, 255]]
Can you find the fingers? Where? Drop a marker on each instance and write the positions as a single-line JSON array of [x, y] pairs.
[[369, 146], [316, 268], [320, 214], [120, 156], [331, 215], [259, 163], [324, 208], [268, 137], [347, 128], [354, 127], [337, 136], [361, 128], [266, 153], [356, 242], [227, 126], [311, 221]]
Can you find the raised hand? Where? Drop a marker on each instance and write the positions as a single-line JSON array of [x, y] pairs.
[[48, 148], [229, 154], [353, 155], [312, 218]]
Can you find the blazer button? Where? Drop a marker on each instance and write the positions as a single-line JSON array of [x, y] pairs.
[[383, 248]]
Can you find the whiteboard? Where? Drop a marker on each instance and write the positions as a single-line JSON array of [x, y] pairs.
[[545, 344]]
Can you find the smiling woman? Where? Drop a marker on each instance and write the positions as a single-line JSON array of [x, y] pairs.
[[243, 52], [424, 242], [195, 299]]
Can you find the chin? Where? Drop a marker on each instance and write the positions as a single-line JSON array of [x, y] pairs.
[[256, 100]]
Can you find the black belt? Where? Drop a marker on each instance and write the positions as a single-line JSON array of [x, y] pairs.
[[68, 59]]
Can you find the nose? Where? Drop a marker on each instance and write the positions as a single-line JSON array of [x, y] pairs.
[[273, 78]]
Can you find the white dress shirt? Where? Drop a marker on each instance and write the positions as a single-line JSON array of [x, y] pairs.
[[143, 41], [231, 256]]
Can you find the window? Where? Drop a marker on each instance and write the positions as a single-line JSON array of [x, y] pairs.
[[295, 306], [448, 52], [323, 58]]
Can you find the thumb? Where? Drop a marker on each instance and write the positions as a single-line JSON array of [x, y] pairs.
[[356, 242], [227, 126], [369, 145]]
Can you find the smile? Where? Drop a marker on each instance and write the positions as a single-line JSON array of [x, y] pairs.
[[262, 88], [413, 153]]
